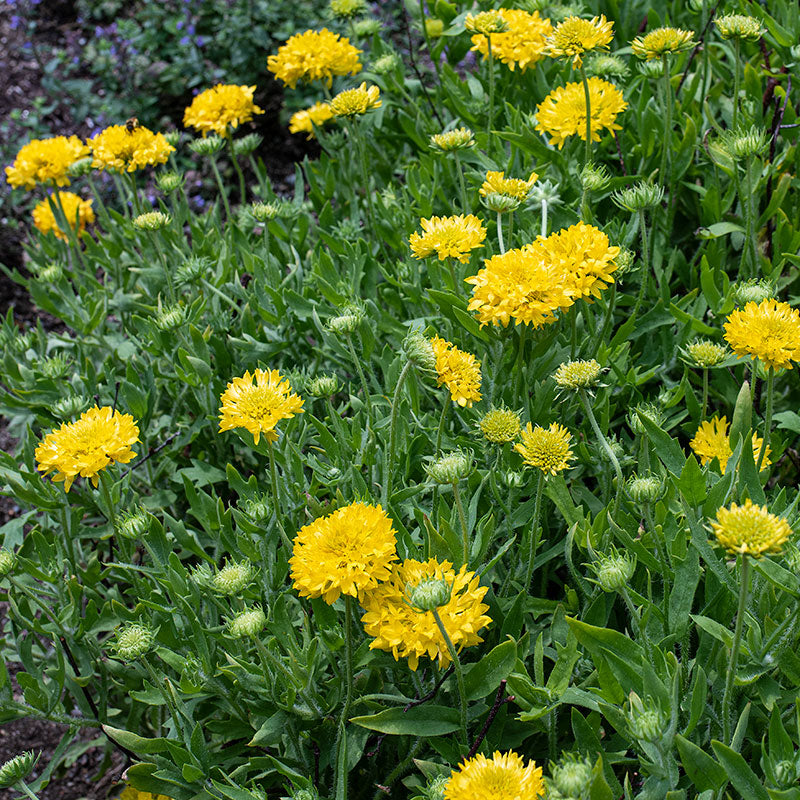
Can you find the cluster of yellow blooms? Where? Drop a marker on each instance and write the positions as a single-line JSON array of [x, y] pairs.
[[459, 371], [77, 211], [306, 120], [711, 441], [127, 148], [221, 109], [314, 56], [46, 161], [449, 237], [521, 44]]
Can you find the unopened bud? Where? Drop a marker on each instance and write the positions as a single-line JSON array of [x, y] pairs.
[[450, 468], [133, 641], [152, 221], [248, 624], [209, 146]]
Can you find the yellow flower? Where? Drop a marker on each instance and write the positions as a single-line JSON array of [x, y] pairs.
[[347, 552], [126, 149], [221, 109], [129, 793], [739, 26], [456, 139], [500, 425], [750, 529], [547, 449], [497, 183], [574, 36], [259, 407], [459, 371], [409, 633], [660, 42], [769, 331], [100, 437], [354, 102], [46, 161], [304, 121], [584, 254], [75, 208], [522, 285], [563, 111], [704, 353], [522, 45], [711, 441], [314, 56], [502, 777], [448, 237]]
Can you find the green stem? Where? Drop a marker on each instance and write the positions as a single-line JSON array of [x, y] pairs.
[[645, 268], [135, 192], [165, 266], [238, 168], [463, 521], [603, 443], [634, 614], [609, 315], [544, 217], [362, 158], [588, 150], [220, 186], [664, 177], [727, 696], [520, 383], [461, 183], [768, 418], [341, 737], [26, 790], [534, 539], [457, 285], [388, 465], [490, 118], [110, 513], [362, 377], [500, 241], [440, 429], [462, 694], [276, 502], [705, 392], [736, 80]]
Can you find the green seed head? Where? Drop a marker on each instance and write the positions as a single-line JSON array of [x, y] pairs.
[[645, 720], [428, 594]]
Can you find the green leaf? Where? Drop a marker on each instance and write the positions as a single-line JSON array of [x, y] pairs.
[[692, 482], [703, 770], [133, 742], [742, 420], [485, 676], [667, 448], [743, 778], [424, 720], [719, 229]]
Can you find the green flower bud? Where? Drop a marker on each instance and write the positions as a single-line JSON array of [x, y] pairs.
[[645, 720], [323, 386], [456, 139], [247, 145], [639, 197], [56, 366], [544, 192], [578, 374], [386, 63], [69, 407], [133, 641], [264, 212], [500, 203], [233, 577], [450, 468], [17, 769], [152, 221], [595, 177], [652, 69], [603, 65], [79, 168], [133, 523], [305, 794], [50, 273], [645, 489], [752, 291], [786, 774], [344, 9], [652, 411], [7, 561], [743, 143], [513, 479], [435, 788], [192, 270], [257, 508], [419, 350], [625, 261], [434, 28], [429, 594], [500, 425], [170, 318], [704, 353], [739, 26], [367, 27], [572, 776], [173, 137], [486, 22], [247, 624], [613, 571], [348, 322], [209, 146], [169, 182]]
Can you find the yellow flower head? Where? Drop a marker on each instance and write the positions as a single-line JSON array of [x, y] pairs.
[[504, 776], [46, 161], [221, 109], [456, 139], [314, 56], [304, 121], [522, 285], [522, 44], [459, 371], [547, 449], [347, 552], [583, 253], [750, 529], [410, 633], [662, 41], [500, 425], [711, 441], [486, 22], [126, 149], [574, 36], [448, 237], [704, 353], [100, 437], [77, 211], [497, 183], [563, 112], [739, 26], [258, 407], [769, 331], [354, 102]]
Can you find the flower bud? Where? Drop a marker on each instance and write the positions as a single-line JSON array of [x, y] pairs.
[[17, 769], [344, 9], [739, 26], [170, 318], [347, 322], [456, 139], [192, 269], [645, 489], [385, 64], [69, 406], [79, 168], [305, 794], [486, 22], [513, 479], [133, 641], [639, 197], [743, 143], [645, 720], [7, 561], [419, 350], [133, 523], [169, 182], [603, 65], [367, 27], [233, 577], [56, 366], [209, 146], [450, 468], [595, 177], [500, 203], [323, 386], [613, 571], [429, 594], [625, 260], [247, 624], [50, 273], [247, 145], [786, 774], [572, 777], [500, 425], [152, 221], [257, 508], [652, 411], [752, 291], [544, 192], [578, 374], [435, 788], [704, 353], [652, 69], [173, 138]]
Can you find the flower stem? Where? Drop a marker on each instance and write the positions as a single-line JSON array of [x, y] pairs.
[[603, 443], [668, 121], [462, 694], [388, 464], [588, 151], [362, 159], [220, 186], [362, 377], [461, 184], [276, 501], [500, 241], [534, 539], [736, 79], [440, 429], [490, 118], [737, 638], [164, 265], [238, 168], [768, 418], [110, 513], [705, 392], [341, 737], [463, 521], [457, 288], [645, 268], [544, 217]]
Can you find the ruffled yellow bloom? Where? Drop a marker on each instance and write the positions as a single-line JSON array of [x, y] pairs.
[[347, 552], [45, 161], [497, 183], [354, 102], [500, 425], [750, 529], [661, 41], [304, 121], [584, 254], [448, 237], [769, 331], [101, 436], [459, 371], [314, 56], [126, 149], [258, 407], [221, 109], [574, 36], [711, 441], [502, 777], [75, 208], [563, 112], [410, 633], [522, 44], [129, 793], [522, 285], [547, 449]]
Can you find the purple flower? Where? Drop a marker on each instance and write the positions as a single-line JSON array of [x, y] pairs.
[[16, 22], [185, 40], [190, 29], [200, 41], [180, 25]]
